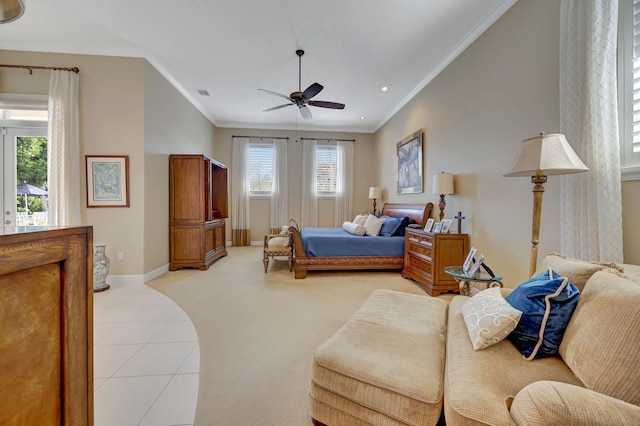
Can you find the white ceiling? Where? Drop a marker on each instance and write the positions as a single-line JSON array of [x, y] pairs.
[[233, 47]]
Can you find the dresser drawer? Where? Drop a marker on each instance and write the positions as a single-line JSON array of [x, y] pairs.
[[420, 248], [420, 263]]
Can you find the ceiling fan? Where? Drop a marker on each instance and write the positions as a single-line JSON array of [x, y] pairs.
[[302, 99]]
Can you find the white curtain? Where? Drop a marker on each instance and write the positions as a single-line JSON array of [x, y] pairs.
[[240, 207], [590, 202], [279, 185], [63, 150], [309, 195], [344, 183]]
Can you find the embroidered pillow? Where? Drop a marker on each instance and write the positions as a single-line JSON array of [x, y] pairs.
[[547, 302], [354, 228], [489, 318], [373, 225], [390, 226]]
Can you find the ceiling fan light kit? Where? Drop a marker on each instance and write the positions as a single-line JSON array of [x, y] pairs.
[[302, 99]]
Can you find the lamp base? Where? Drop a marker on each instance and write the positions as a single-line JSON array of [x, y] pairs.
[[441, 205], [538, 181]]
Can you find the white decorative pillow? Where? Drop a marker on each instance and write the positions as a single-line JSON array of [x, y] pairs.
[[354, 228], [373, 225], [360, 219], [284, 230], [489, 318]]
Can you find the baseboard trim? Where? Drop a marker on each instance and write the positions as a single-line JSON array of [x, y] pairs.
[[137, 279]]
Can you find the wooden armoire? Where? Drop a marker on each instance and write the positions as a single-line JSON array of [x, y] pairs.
[[198, 208]]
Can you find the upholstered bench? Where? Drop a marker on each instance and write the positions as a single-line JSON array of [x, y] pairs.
[[384, 366]]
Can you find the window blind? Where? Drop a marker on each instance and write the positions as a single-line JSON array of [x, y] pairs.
[[326, 169], [260, 168], [636, 78]]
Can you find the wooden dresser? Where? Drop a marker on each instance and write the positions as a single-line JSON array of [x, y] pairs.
[[46, 317], [197, 211], [426, 255]]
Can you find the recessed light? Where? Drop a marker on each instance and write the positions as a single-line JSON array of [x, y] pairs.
[[202, 92], [362, 117], [384, 89]]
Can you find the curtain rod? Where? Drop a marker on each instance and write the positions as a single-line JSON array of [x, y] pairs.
[[261, 137], [34, 67], [328, 140]]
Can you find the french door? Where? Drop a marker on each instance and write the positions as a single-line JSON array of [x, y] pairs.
[[8, 169]]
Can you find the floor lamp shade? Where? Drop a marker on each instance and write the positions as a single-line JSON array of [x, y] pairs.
[[375, 193], [442, 185], [540, 157]]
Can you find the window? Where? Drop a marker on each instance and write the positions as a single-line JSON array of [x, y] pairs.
[[629, 86], [326, 169], [260, 169]]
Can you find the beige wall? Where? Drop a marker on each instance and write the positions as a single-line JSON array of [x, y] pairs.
[[364, 174], [171, 126], [126, 108], [499, 91], [630, 222]]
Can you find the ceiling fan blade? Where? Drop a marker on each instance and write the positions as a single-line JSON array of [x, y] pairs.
[[305, 112], [277, 94], [326, 104], [276, 107], [312, 90]]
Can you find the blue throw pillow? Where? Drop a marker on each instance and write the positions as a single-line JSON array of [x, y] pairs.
[[390, 226], [547, 302]]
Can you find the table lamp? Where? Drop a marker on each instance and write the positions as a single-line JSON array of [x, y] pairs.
[[374, 194], [541, 156], [442, 185]]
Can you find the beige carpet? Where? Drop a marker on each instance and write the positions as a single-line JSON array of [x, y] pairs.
[[258, 332]]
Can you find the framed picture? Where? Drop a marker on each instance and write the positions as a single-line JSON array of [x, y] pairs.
[[409, 152], [469, 260], [437, 227], [446, 224], [428, 225], [475, 267], [107, 180]]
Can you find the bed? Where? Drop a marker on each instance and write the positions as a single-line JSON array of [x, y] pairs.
[[312, 255]]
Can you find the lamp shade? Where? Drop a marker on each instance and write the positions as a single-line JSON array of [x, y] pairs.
[[10, 10], [443, 183], [374, 193], [550, 154]]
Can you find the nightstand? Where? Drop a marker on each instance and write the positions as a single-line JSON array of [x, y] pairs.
[[426, 254]]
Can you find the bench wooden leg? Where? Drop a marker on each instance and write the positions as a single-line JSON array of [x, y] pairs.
[[317, 423]]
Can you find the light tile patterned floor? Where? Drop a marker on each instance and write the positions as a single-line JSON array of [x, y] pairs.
[[146, 359]]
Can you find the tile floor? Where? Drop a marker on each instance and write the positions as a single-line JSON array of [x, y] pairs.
[[146, 359]]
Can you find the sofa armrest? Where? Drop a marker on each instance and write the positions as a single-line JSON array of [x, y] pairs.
[[555, 403]]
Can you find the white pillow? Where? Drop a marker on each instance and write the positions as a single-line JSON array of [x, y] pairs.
[[284, 230], [489, 318], [373, 225], [360, 219], [354, 228]]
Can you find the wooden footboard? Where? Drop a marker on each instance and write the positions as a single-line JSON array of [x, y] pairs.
[[303, 263]]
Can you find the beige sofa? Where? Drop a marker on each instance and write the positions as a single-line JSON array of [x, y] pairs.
[[594, 381]]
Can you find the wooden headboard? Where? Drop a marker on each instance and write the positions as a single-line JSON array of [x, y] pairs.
[[418, 212]]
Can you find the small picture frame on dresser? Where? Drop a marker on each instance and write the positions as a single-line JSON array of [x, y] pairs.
[[446, 224], [429, 225], [437, 227]]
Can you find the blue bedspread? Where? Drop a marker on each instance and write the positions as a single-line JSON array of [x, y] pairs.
[[338, 242]]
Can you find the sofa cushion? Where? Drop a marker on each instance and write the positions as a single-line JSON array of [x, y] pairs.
[[576, 270], [554, 403], [547, 302], [386, 362], [601, 343], [489, 318], [478, 382]]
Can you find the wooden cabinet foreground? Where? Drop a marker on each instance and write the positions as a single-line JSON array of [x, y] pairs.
[[46, 334]]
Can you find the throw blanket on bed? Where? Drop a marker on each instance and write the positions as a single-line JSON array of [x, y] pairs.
[[328, 242]]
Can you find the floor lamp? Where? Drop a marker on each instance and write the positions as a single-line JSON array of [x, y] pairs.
[[542, 156]]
